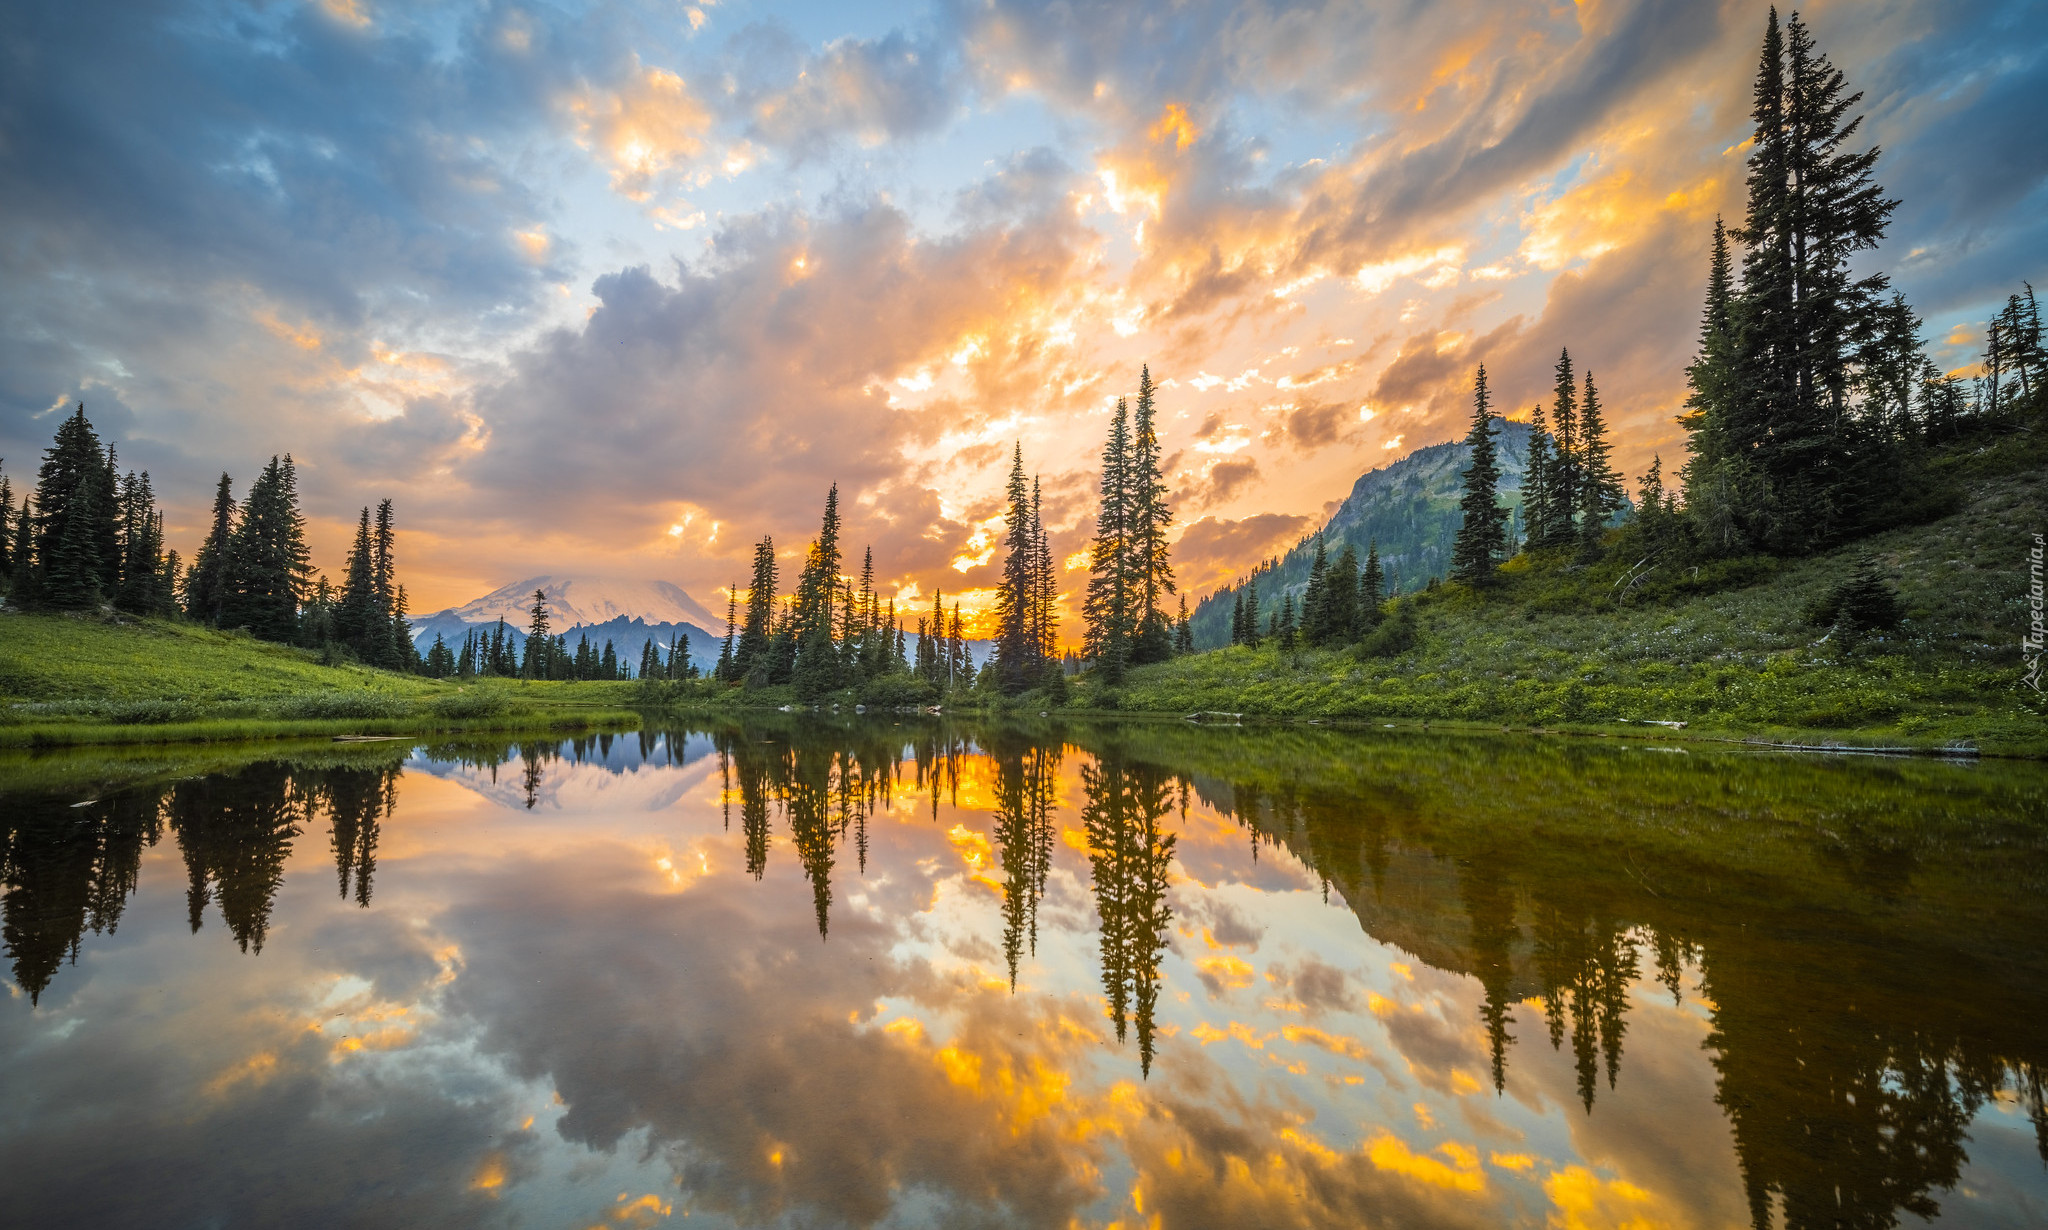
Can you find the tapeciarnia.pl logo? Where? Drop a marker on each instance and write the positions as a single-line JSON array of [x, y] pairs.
[[2037, 630]]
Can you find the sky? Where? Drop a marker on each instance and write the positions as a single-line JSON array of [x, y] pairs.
[[618, 288]]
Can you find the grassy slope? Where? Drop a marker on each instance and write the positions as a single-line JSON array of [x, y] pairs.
[[1742, 660], [66, 680]]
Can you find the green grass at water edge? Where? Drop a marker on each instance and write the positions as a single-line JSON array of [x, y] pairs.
[[71, 680], [1544, 649]]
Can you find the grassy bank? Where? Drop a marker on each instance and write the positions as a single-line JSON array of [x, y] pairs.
[[73, 681], [1550, 647]]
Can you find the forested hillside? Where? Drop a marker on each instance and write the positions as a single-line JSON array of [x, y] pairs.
[[1408, 509]]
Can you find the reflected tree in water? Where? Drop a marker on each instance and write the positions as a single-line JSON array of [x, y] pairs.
[[236, 832], [68, 867], [1027, 787], [1128, 857], [826, 781], [357, 801]]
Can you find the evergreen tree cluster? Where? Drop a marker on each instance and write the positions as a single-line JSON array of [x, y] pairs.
[[368, 618], [1027, 628], [1571, 489], [827, 635], [1812, 395], [89, 537], [1129, 572]]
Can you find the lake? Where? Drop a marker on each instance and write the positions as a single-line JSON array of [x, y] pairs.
[[805, 970]]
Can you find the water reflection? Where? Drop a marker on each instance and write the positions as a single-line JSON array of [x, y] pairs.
[[1068, 974]]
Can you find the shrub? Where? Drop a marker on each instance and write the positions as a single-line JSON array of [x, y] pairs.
[[149, 712], [1396, 635], [890, 691], [1865, 602], [325, 706], [468, 705]]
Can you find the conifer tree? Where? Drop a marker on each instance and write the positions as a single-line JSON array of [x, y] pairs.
[[1048, 591], [268, 563], [1110, 608], [1315, 605], [1283, 622], [1561, 482], [1715, 478], [1372, 584], [1019, 645], [1482, 537], [1811, 207], [1340, 598], [141, 548], [816, 668], [356, 622], [75, 519], [1150, 519], [1600, 491], [1251, 611], [539, 646], [1183, 630], [24, 585], [206, 584], [1536, 481], [724, 671], [1237, 619], [959, 666], [756, 632]]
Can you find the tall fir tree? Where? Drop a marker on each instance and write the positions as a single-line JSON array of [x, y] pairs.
[[1110, 607], [1340, 598], [1600, 491], [1018, 646], [1561, 482], [1372, 588], [757, 632], [816, 668], [1536, 480], [269, 567], [1717, 479], [358, 623], [539, 645], [75, 520], [1482, 537], [1150, 520], [1812, 206], [1315, 597], [206, 586]]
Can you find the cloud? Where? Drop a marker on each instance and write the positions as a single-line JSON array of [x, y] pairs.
[[644, 127], [1212, 550], [227, 230], [871, 90], [756, 381]]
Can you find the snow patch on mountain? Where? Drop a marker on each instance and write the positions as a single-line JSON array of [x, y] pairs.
[[585, 600]]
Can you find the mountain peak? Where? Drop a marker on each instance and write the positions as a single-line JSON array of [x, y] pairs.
[[574, 600]]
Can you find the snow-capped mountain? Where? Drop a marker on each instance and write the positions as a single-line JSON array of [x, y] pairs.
[[574, 601]]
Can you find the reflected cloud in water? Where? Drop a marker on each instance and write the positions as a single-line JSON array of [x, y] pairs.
[[803, 970]]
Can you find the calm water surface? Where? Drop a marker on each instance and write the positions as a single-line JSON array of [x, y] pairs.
[[814, 972]]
